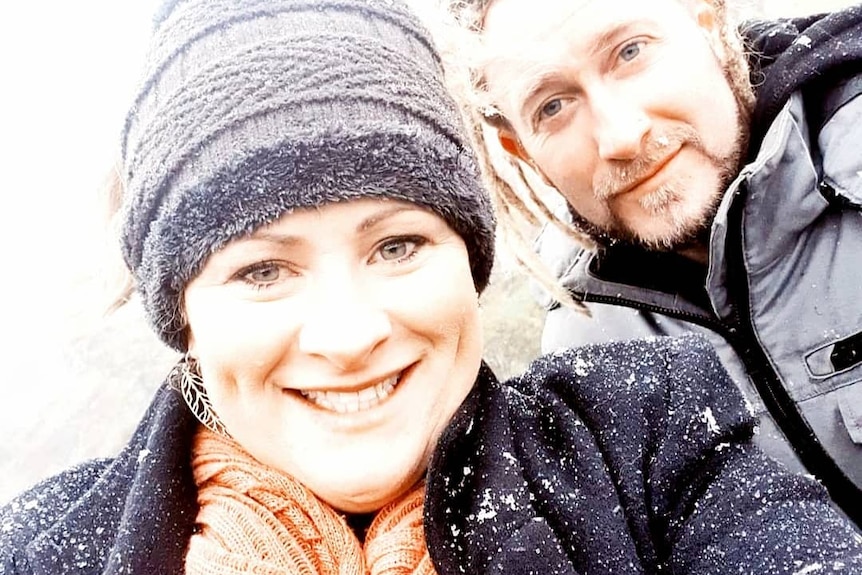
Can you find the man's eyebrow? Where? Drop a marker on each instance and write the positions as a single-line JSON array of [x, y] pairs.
[[603, 43], [538, 82], [607, 39]]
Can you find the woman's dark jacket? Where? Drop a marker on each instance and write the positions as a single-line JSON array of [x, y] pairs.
[[621, 458]]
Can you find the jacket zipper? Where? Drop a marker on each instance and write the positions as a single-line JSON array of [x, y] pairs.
[[740, 336], [771, 389]]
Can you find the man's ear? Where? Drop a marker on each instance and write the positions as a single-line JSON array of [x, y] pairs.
[[510, 142]]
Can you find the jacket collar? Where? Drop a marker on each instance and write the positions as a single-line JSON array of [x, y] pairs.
[[627, 275], [799, 54], [139, 515], [518, 483], [477, 498]]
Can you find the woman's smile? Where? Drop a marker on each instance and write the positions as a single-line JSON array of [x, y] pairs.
[[368, 397], [337, 343]]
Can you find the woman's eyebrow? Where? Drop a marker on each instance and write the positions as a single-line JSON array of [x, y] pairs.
[[377, 217], [284, 239]]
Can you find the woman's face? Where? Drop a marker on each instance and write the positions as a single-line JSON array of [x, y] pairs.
[[337, 343]]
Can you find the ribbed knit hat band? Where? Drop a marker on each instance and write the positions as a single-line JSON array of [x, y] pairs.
[[251, 109]]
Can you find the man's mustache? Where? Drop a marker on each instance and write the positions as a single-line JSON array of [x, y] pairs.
[[619, 176]]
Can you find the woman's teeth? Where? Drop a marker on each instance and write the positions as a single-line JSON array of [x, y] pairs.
[[353, 401]]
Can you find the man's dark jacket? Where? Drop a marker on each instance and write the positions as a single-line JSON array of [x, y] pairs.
[[780, 299], [624, 458]]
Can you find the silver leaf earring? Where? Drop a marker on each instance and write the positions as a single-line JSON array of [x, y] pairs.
[[186, 378]]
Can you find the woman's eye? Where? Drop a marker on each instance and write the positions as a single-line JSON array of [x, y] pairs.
[[398, 249], [631, 51], [262, 274]]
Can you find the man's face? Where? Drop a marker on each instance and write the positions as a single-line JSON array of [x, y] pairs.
[[621, 105]]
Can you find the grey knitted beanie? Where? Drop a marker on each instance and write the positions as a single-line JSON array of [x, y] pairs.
[[252, 108]]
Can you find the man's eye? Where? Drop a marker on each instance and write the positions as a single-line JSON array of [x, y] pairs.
[[551, 108], [631, 51], [397, 249]]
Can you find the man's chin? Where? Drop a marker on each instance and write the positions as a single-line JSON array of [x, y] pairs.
[[665, 235], [668, 238]]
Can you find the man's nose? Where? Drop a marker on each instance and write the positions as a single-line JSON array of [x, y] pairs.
[[343, 324], [621, 126]]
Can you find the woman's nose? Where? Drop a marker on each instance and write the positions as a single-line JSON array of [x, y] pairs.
[[344, 327]]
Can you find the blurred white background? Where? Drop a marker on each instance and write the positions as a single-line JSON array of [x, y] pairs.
[[74, 384], [68, 70]]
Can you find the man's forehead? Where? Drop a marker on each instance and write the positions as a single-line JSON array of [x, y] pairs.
[[515, 42], [509, 21], [528, 46], [540, 31]]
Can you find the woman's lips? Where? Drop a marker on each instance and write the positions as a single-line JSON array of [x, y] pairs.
[[353, 401]]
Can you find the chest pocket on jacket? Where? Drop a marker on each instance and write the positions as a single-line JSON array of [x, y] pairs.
[[836, 357]]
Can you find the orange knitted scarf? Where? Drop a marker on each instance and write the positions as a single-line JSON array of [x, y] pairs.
[[254, 519]]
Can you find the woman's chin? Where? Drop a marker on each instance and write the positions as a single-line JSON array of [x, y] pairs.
[[372, 497]]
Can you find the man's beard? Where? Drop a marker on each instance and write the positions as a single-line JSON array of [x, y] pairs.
[[736, 74], [659, 203]]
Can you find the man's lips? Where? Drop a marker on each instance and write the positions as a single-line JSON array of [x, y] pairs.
[[633, 183]]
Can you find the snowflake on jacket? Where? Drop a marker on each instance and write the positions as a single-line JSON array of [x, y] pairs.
[[618, 458]]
